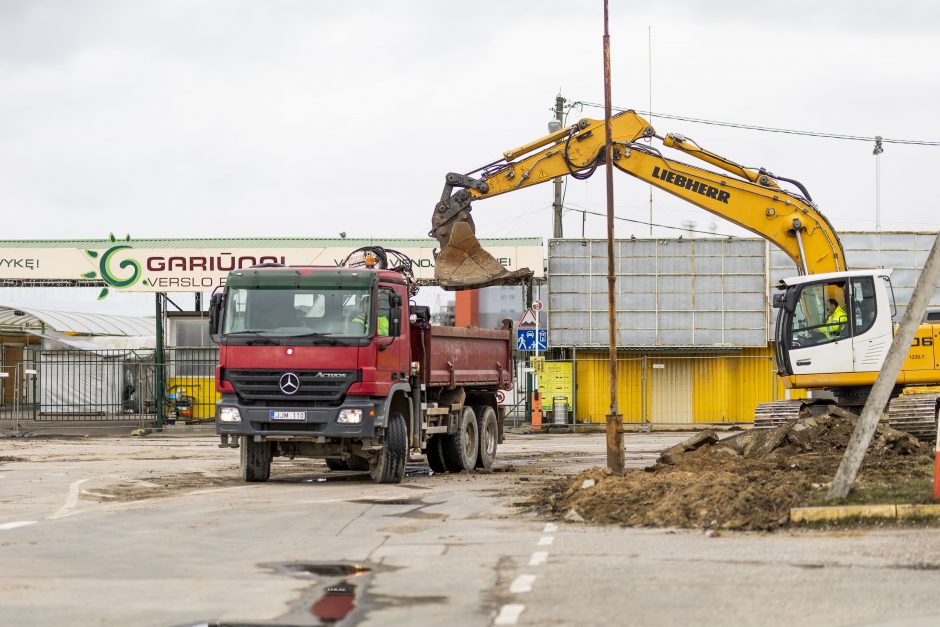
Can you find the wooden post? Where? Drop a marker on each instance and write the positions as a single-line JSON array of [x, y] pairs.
[[614, 418]]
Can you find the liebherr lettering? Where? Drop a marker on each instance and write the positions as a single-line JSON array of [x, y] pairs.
[[687, 182]]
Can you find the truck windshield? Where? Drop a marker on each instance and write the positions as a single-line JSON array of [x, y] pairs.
[[293, 312]]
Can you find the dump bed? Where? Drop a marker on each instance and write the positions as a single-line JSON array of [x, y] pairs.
[[465, 356]]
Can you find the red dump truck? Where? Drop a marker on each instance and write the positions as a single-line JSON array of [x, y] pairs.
[[337, 363]]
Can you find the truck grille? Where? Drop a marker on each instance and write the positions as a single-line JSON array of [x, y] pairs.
[[315, 386]]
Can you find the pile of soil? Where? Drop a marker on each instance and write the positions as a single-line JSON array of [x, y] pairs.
[[748, 481]]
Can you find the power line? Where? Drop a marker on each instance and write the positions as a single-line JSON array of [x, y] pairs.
[[662, 226], [767, 129]]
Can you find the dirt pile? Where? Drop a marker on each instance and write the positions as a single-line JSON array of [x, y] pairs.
[[747, 481]]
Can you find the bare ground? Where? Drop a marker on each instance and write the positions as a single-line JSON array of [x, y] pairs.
[[749, 481]]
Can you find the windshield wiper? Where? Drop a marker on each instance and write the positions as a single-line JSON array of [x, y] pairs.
[[262, 339], [317, 334]]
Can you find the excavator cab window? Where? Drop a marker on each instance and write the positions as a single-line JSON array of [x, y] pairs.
[[820, 315], [864, 307]]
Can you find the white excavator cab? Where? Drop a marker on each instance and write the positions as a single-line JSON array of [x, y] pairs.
[[834, 323]]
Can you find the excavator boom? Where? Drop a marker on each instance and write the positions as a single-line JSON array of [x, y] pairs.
[[752, 199]]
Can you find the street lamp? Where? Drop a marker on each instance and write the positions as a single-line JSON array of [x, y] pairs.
[[877, 152]]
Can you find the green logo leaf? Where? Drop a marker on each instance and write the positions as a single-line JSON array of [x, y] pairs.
[[91, 253], [89, 275], [104, 292]]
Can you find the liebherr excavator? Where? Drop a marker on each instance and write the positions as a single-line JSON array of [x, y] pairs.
[[838, 359]]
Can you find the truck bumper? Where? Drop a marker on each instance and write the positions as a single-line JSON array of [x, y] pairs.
[[301, 422]]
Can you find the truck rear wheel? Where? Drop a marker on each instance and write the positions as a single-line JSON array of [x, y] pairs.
[[489, 435], [389, 467], [255, 460], [435, 454], [460, 449]]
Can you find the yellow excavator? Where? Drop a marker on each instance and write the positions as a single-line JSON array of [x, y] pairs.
[[834, 325]]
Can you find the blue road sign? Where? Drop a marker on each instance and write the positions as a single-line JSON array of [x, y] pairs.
[[525, 339]]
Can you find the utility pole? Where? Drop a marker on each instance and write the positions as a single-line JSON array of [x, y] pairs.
[[557, 229], [881, 391], [614, 418]]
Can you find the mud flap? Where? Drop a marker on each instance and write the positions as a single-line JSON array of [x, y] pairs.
[[462, 264]]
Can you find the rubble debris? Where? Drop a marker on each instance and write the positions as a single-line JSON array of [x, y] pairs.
[[749, 480]]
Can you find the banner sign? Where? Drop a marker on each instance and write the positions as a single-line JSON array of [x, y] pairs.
[[122, 265]]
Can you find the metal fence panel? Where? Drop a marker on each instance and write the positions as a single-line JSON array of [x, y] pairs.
[[109, 385]]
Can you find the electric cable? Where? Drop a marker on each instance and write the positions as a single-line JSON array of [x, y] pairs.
[[766, 129]]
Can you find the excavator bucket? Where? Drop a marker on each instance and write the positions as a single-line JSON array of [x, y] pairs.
[[462, 264]]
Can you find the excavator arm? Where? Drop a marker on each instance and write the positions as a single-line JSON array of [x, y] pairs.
[[752, 199]]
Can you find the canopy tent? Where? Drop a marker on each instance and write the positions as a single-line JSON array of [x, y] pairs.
[[76, 323]]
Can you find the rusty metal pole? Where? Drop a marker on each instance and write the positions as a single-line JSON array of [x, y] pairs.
[[614, 419]]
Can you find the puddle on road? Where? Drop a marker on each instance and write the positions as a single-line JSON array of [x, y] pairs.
[[405, 501], [337, 602], [324, 570]]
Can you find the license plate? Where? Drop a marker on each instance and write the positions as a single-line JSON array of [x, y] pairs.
[[289, 415]]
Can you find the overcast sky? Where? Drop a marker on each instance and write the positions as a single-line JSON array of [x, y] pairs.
[[307, 118]]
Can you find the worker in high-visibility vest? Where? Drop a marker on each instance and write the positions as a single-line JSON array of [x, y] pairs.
[[362, 318], [835, 323]]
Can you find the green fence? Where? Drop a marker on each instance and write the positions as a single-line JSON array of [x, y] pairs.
[[110, 385]]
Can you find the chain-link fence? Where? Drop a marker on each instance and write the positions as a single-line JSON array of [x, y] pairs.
[[110, 385]]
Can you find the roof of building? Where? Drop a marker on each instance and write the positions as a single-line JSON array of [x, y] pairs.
[[74, 322]]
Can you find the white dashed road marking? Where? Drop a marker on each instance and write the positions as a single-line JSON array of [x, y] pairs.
[[15, 524], [522, 583], [509, 614], [70, 502]]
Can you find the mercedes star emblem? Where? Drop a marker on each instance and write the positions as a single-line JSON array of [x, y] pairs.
[[290, 383]]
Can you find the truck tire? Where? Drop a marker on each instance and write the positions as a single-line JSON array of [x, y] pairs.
[[460, 449], [389, 467], [489, 435], [255, 460], [435, 454], [335, 463]]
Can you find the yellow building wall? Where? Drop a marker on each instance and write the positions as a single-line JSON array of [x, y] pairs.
[[723, 387]]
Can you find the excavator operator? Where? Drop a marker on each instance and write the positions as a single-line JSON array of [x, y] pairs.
[[835, 323]]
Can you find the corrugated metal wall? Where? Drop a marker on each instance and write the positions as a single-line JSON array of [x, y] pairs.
[[682, 293], [679, 389]]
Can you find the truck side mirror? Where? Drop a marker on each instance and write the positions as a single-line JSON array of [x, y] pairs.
[[215, 313]]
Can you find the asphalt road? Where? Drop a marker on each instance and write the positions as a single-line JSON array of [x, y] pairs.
[[157, 531]]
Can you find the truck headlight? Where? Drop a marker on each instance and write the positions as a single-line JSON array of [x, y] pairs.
[[350, 416], [229, 414]]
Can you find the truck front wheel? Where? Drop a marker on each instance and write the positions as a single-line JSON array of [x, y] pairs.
[[460, 449], [389, 467], [255, 460]]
